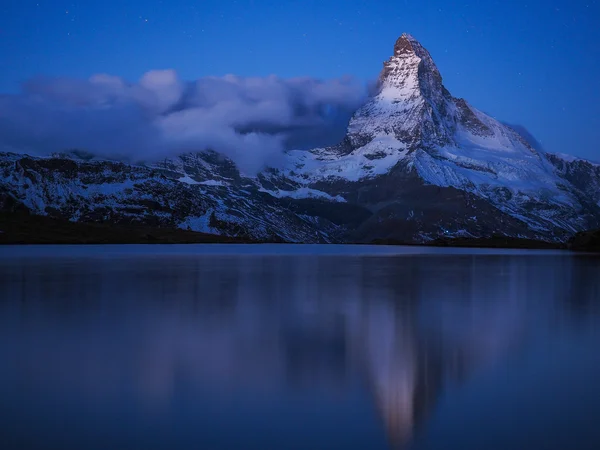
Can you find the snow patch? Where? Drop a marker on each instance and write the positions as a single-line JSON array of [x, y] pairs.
[[188, 180], [212, 183], [304, 193], [199, 224]]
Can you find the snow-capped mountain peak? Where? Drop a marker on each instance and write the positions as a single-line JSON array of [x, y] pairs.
[[411, 101], [408, 52], [414, 123], [416, 164]]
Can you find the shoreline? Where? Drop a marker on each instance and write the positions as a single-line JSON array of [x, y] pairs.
[[26, 229]]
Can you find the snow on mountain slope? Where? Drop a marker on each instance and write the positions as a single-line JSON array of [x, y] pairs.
[[113, 192], [374, 158]]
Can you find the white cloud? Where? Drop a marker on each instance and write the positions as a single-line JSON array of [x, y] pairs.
[[251, 120]]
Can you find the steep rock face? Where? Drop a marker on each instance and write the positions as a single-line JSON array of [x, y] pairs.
[[584, 175], [412, 103]]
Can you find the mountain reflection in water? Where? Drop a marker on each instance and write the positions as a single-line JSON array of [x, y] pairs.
[[294, 352]]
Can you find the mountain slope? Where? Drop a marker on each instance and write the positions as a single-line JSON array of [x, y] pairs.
[[211, 198]]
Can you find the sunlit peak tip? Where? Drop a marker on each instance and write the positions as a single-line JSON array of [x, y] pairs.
[[408, 37]]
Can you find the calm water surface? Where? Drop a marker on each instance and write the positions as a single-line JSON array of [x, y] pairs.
[[294, 347]]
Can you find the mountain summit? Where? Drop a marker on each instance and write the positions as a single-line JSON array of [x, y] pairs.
[[416, 164], [410, 102], [408, 51]]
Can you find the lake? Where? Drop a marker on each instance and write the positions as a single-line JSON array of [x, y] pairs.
[[298, 347]]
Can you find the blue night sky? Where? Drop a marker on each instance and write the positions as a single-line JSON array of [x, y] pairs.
[[533, 63]]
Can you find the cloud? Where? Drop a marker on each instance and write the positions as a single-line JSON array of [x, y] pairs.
[[525, 134], [251, 120]]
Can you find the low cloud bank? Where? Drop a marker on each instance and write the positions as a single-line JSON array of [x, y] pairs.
[[251, 120]]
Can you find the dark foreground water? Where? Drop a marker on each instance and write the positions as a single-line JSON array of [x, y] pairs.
[[246, 348]]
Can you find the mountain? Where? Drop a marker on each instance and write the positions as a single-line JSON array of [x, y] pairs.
[[415, 165], [201, 192], [428, 164]]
